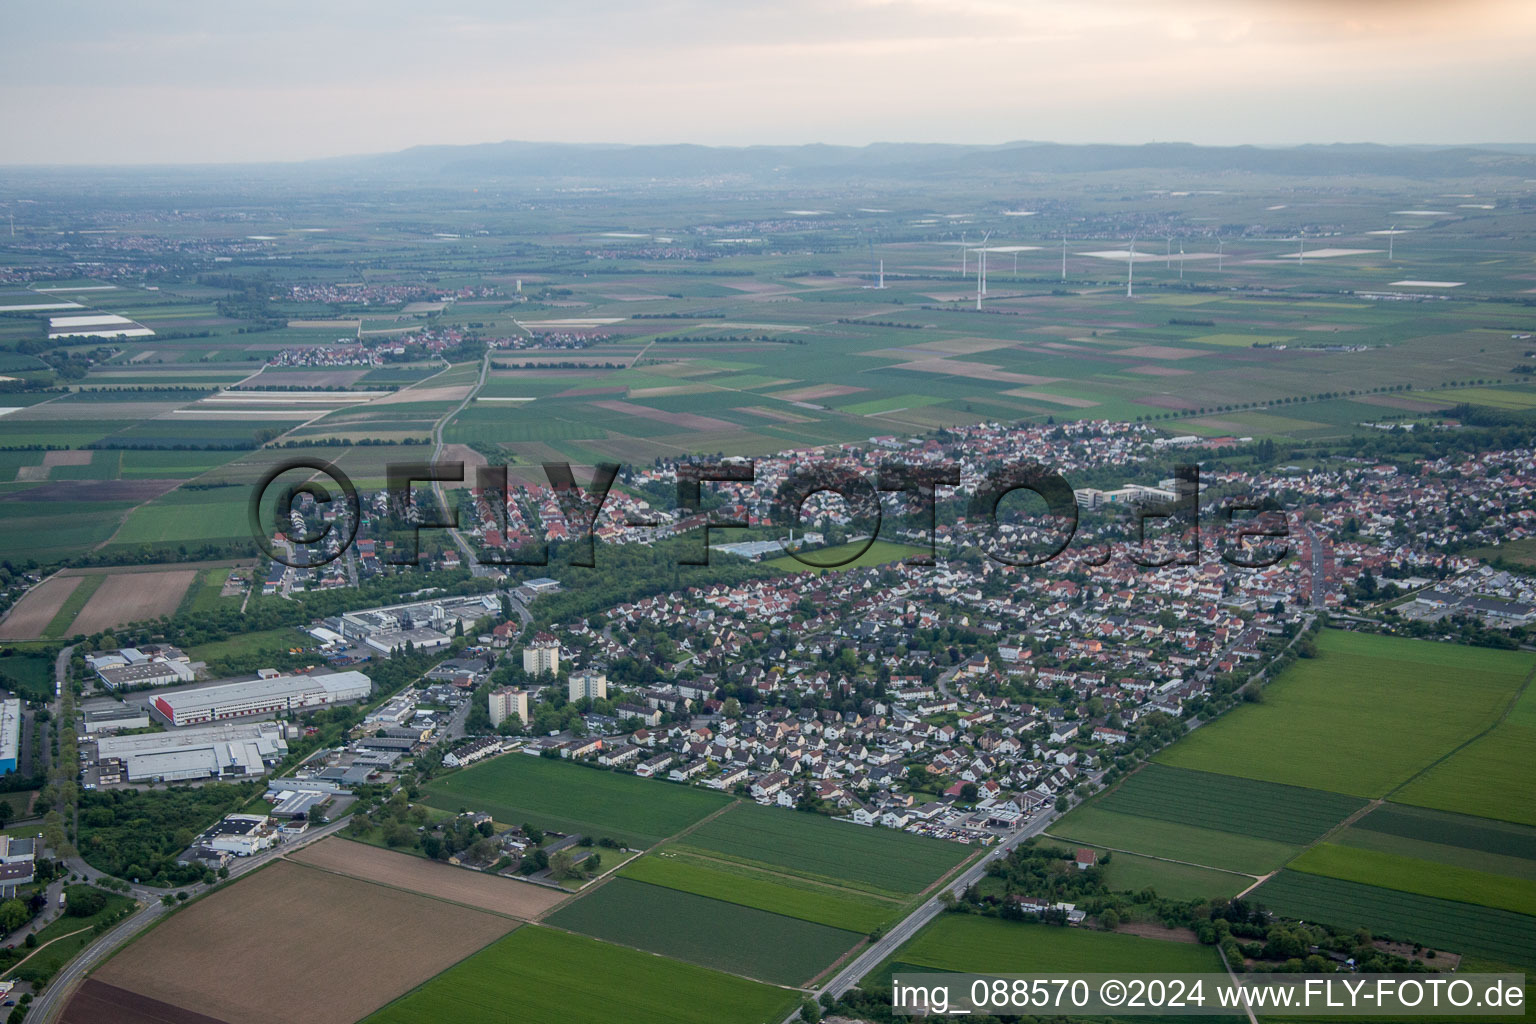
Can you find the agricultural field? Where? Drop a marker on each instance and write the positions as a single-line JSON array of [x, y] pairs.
[[1265, 810], [1427, 878], [554, 977], [1128, 872], [516, 788], [724, 936], [777, 893], [1395, 705], [981, 945], [1409, 917], [1092, 825], [440, 881], [879, 861], [1494, 776], [196, 962]]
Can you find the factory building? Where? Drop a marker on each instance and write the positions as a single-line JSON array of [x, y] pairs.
[[10, 734], [230, 750], [271, 694]]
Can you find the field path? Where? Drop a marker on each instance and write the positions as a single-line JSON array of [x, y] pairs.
[[1168, 860], [1503, 715]]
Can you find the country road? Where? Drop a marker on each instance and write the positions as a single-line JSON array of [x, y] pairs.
[[880, 951]]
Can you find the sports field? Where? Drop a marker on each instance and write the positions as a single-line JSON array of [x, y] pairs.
[[881, 861], [777, 893], [880, 553], [723, 936], [544, 976], [1392, 705], [517, 789], [1265, 810]]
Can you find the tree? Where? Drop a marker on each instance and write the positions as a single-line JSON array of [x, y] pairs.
[[562, 865], [6, 813], [969, 792], [14, 914], [1062, 802]]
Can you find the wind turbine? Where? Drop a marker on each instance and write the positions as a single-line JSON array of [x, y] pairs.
[[1181, 261], [880, 280], [1391, 237], [962, 254], [983, 259], [1301, 248], [1130, 267], [1063, 255]]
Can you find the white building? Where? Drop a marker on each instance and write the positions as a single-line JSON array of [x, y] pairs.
[[277, 694], [10, 734], [543, 655], [591, 685], [507, 702], [229, 750]]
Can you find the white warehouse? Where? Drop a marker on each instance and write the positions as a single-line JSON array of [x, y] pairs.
[[272, 694]]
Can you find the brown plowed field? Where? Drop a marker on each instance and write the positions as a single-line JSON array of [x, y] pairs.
[[300, 945], [130, 597], [401, 870], [31, 615]]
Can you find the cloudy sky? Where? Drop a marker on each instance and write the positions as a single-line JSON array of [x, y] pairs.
[[158, 81]]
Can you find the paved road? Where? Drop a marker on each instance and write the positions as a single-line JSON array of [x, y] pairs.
[[475, 568], [878, 952], [50, 1004]]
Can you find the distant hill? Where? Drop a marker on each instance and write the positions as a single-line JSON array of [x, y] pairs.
[[811, 163]]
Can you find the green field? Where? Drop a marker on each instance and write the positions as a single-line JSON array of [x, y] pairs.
[[1408, 917], [778, 894], [1091, 824], [88, 585], [264, 643], [517, 788], [1493, 777], [1456, 830], [982, 945], [1410, 874], [1393, 705], [1266, 810], [880, 553], [26, 672], [1129, 873], [543, 976], [707, 932], [881, 861]]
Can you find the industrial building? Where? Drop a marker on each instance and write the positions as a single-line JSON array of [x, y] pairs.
[[133, 667], [589, 685], [18, 858], [115, 717], [507, 702], [425, 625], [269, 694], [10, 734], [230, 750]]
